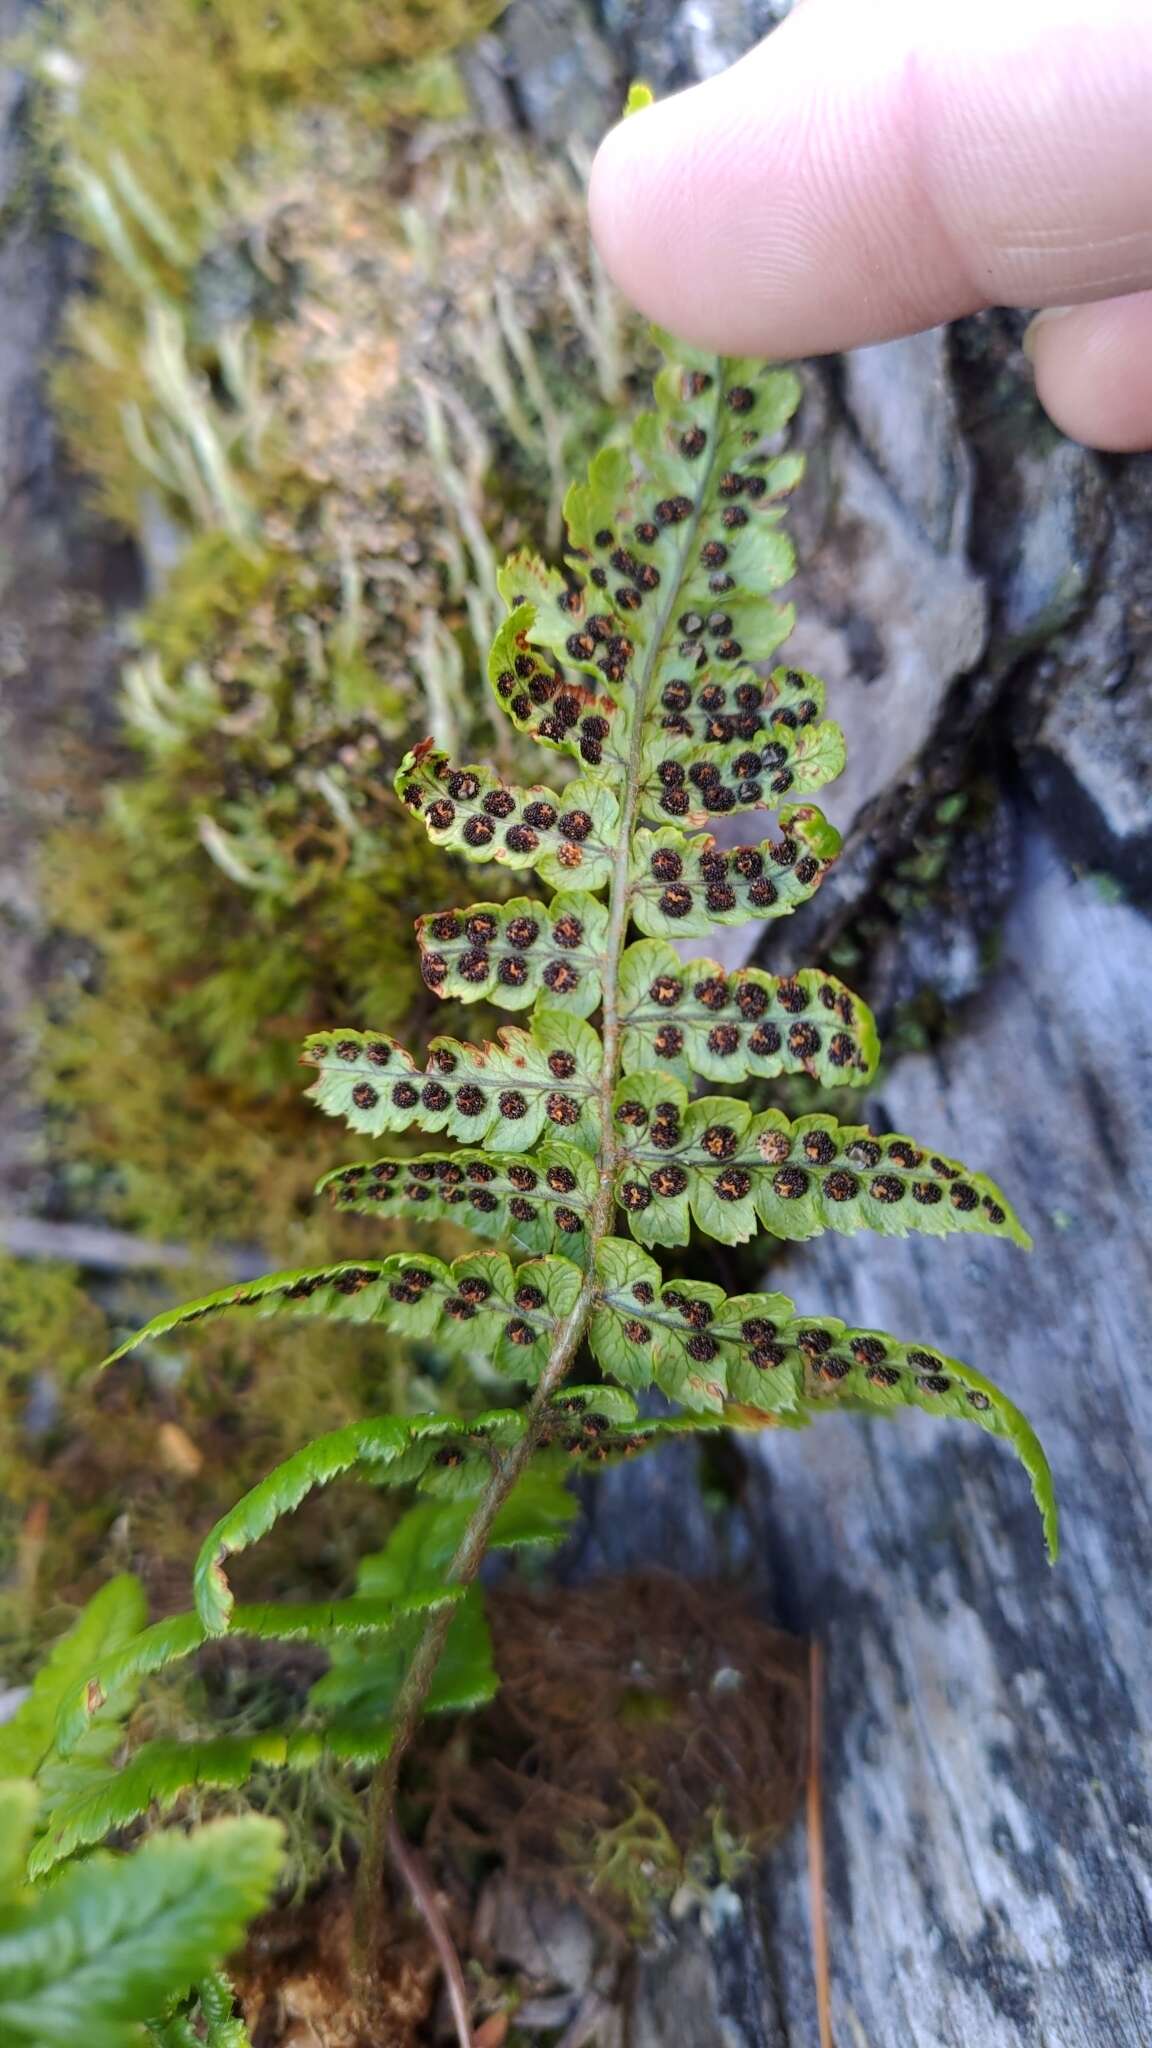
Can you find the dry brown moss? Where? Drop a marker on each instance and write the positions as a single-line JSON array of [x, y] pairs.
[[649, 1733]]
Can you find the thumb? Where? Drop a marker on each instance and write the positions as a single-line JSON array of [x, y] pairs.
[[868, 171]]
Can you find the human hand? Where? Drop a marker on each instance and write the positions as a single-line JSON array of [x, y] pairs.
[[878, 166]]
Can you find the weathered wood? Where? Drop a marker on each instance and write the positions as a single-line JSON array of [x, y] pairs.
[[989, 1722], [61, 578]]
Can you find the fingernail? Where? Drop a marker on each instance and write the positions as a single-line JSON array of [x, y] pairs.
[[1038, 320]]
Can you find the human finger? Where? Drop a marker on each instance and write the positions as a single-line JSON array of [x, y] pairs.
[[868, 171]]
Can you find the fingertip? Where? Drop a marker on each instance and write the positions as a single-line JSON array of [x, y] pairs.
[[1093, 369], [645, 201], [613, 171], [766, 210], [866, 171]]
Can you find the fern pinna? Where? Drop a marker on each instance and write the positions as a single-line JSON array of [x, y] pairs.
[[582, 1139]]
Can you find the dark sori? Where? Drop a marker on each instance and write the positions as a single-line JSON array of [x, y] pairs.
[[582, 1142]]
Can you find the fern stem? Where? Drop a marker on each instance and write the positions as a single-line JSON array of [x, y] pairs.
[[463, 1569], [429, 1908]]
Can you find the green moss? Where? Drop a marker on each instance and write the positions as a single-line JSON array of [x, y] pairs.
[[253, 877], [175, 1077], [46, 1325], [49, 1335], [150, 179], [160, 159]]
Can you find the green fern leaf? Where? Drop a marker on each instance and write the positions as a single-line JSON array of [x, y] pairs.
[[566, 837], [683, 886], [676, 550], [207, 2020], [757, 740], [362, 1682], [107, 1945], [111, 1618], [736, 1172], [511, 953], [505, 1095], [541, 1203], [538, 1512], [18, 1802], [161, 1773], [364, 1678], [396, 1589], [644, 660], [435, 1451], [479, 1301], [754, 1353], [694, 1017], [170, 1642]]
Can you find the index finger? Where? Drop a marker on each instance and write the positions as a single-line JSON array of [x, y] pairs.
[[871, 170]]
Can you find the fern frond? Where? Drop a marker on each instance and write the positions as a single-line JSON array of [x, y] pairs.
[[395, 1591], [169, 1642], [740, 744], [513, 953], [111, 1618], [643, 658], [676, 551], [111, 1941], [480, 1301], [447, 1457], [207, 2020], [160, 1773], [755, 1353], [682, 887], [18, 1803]]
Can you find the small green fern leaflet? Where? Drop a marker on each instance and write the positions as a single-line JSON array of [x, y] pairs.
[[112, 1619], [480, 1301], [736, 1172], [544, 1081], [106, 1946], [206, 2020], [365, 1677], [161, 1773], [694, 1017], [434, 1452], [169, 1642], [542, 1203], [641, 662], [566, 837]]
